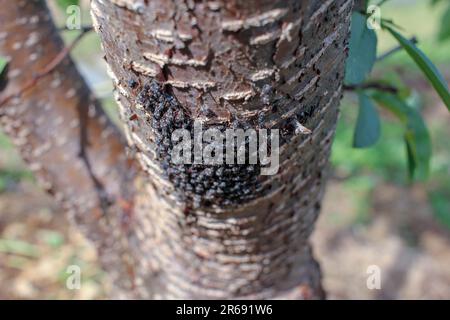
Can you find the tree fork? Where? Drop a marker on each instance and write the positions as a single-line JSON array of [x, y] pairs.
[[261, 63]]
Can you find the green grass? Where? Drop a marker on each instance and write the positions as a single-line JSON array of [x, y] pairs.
[[12, 171]]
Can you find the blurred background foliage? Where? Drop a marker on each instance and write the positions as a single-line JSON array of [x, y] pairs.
[[367, 185], [429, 22]]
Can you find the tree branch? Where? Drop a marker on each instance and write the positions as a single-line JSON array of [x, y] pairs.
[[372, 85], [47, 69], [61, 131], [394, 50]]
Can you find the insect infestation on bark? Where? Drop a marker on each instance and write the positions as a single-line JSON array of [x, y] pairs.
[[199, 184]]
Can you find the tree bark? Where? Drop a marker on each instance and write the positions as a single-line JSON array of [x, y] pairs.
[[266, 64]]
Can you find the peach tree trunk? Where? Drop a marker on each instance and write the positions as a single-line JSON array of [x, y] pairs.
[[186, 231], [256, 63]]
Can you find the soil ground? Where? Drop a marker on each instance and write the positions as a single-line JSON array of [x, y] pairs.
[[412, 250]]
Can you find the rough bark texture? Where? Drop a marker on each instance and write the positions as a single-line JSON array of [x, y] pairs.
[[271, 64], [264, 64], [62, 133]]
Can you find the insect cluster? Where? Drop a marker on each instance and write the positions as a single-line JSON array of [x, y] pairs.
[[200, 184]]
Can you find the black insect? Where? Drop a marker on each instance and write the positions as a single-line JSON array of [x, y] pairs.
[[132, 84], [197, 184]]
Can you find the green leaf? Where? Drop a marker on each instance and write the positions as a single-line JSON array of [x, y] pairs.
[[427, 67], [434, 2], [18, 247], [393, 79], [3, 71], [367, 131], [412, 164], [3, 64], [441, 207], [362, 50], [417, 137], [382, 2], [444, 32], [63, 4]]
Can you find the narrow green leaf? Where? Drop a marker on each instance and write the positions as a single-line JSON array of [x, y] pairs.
[[63, 4], [441, 207], [419, 140], [444, 31], [362, 50], [3, 64], [394, 104], [382, 2], [427, 67], [412, 164], [417, 137], [367, 131], [18, 247], [3, 71]]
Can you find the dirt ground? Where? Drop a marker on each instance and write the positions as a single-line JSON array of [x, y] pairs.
[[401, 238], [410, 248]]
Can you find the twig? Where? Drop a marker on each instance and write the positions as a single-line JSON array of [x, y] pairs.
[[395, 50], [381, 2], [103, 198], [47, 69], [372, 85], [83, 28]]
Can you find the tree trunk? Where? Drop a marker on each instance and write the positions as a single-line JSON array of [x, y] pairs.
[[60, 130], [197, 231], [261, 63]]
